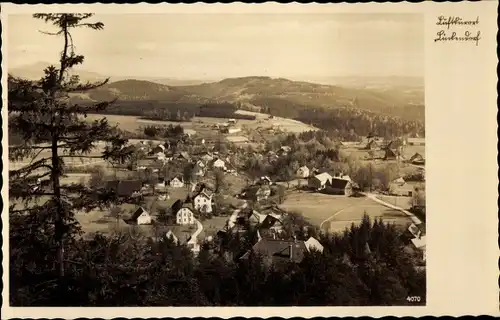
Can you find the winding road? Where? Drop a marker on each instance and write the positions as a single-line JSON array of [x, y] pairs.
[[194, 236]]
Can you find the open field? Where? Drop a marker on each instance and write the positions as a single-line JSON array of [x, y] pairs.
[[402, 202], [334, 213], [374, 210], [288, 125], [237, 139], [199, 124]]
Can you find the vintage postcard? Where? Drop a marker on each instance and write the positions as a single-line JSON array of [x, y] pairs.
[[245, 156]]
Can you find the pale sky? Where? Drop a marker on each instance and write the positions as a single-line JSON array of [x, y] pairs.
[[210, 46]]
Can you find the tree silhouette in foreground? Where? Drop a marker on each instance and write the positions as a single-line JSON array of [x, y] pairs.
[[53, 130]]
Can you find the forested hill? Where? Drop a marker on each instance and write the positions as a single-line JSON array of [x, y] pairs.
[[406, 102], [264, 92]]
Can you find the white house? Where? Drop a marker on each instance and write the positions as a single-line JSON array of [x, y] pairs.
[[313, 244], [419, 243], [199, 169], [233, 130], [171, 235], [303, 172], [161, 183], [141, 216], [185, 216], [203, 201], [320, 181], [266, 180], [219, 164], [399, 181], [176, 183]]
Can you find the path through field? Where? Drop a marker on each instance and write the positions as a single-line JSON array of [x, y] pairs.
[[413, 218], [336, 214]]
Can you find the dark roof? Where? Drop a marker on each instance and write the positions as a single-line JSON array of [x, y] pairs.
[[205, 192], [128, 187], [188, 205], [268, 222], [177, 205], [253, 191], [396, 143], [179, 177], [390, 153], [280, 249], [124, 188], [371, 144], [416, 156], [112, 185], [338, 183]]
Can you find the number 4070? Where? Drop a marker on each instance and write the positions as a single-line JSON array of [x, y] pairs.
[[413, 299]]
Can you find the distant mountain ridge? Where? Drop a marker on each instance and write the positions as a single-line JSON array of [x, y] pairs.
[[35, 72], [394, 98]]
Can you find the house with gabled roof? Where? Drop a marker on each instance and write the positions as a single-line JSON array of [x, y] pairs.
[[319, 181], [258, 192], [176, 182], [272, 222], [265, 180], [256, 218], [284, 150], [140, 216], [158, 149], [126, 188], [170, 235], [277, 252], [219, 164], [339, 187], [417, 158], [312, 244], [371, 145], [185, 215], [303, 172], [199, 168], [391, 154], [203, 201]]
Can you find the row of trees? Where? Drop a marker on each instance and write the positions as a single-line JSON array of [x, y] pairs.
[[366, 265], [348, 123], [156, 131]]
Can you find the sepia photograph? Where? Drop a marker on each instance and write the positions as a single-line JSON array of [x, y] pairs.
[[216, 159]]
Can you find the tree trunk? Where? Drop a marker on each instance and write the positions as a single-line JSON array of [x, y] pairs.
[[59, 223], [56, 167]]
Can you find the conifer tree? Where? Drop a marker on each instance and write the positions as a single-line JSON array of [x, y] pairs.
[[53, 129]]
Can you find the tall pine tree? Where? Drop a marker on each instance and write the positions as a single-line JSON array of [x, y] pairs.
[[53, 129]]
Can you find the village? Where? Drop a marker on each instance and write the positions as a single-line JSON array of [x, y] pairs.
[[196, 190]]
